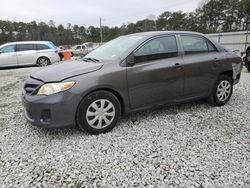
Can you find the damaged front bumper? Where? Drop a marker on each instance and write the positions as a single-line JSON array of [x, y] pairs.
[[237, 68]]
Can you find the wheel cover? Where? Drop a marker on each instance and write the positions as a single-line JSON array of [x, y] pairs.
[[43, 62], [223, 90], [100, 113]]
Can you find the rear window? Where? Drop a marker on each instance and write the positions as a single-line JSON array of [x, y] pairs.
[[194, 45], [42, 47], [25, 47], [52, 46]]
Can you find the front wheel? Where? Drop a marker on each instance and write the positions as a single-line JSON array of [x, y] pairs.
[[99, 112], [222, 91]]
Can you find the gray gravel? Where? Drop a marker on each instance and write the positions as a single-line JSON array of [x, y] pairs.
[[189, 145]]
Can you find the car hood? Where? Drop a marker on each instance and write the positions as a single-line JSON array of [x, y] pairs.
[[62, 71]]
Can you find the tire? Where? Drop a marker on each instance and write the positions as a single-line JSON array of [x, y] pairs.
[[43, 61], [91, 118], [248, 68], [220, 98]]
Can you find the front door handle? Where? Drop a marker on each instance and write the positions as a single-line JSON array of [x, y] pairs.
[[216, 59]]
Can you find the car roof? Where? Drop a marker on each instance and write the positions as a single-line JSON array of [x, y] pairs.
[[27, 42], [155, 33]]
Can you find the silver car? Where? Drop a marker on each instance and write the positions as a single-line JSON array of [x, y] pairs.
[[40, 53]]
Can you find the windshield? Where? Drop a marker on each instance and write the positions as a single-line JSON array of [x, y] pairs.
[[115, 48]]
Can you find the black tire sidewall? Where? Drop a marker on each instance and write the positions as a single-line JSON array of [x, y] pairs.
[[86, 102], [48, 61], [215, 97]]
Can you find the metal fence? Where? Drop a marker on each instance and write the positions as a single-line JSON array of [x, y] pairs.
[[233, 40]]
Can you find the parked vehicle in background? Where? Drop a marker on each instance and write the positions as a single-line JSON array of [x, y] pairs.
[[131, 73], [83, 49], [61, 49], [78, 50], [246, 59], [91, 46], [28, 53]]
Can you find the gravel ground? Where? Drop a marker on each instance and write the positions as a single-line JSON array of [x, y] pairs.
[[189, 145]]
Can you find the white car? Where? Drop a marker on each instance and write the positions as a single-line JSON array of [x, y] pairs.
[[83, 49], [28, 53], [78, 50]]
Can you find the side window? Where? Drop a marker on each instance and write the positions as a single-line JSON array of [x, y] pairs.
[[159, 48], [8, 49], [25, 47], [194, 45], [211, 47], [42, 47], [78, 48]]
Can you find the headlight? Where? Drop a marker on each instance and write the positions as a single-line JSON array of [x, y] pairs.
[[51, 88]]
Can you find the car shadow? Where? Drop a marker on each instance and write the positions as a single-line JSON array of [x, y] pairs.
[[17, 67], [131, 119]]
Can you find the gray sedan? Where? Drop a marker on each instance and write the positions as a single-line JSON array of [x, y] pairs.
[[131, 73]]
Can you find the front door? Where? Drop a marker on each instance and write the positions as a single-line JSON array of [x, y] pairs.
[[157, 75], [8, 56]]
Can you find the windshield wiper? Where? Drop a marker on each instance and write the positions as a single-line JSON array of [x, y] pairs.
[[91, 59]]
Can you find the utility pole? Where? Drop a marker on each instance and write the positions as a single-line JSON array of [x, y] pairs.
[[101, 29]]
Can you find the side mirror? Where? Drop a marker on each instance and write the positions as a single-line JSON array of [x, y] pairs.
[[131, 60]]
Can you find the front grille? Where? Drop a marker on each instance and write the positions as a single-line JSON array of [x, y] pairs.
[[31, 86]]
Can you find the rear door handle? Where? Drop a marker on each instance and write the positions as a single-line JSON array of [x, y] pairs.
[[177, 66]]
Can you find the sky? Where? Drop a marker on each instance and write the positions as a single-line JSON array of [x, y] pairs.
[[88, 12]]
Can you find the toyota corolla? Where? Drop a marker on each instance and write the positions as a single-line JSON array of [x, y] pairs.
[[130, 73]]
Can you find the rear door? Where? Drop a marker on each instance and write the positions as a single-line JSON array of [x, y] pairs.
[[26, 54], [201, 65], [8, 56], [157, 76]]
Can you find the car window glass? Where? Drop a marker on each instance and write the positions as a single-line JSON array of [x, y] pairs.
[[116, 48], [42, 47], [159, 48], [25, 47], [194, 45], [211, 47], [8, 49], [52, 46], [78, 48]]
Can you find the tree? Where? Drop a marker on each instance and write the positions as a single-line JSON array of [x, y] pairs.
[[210, 16]]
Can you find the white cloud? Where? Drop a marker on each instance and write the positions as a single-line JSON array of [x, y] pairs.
[[87, 12]]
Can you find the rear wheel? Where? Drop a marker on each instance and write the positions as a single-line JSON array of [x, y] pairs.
[[98, 112], [222, 91], [43, 61]]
